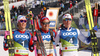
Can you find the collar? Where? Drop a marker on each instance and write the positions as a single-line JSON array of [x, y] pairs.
[[67, 28], [44, 31], [21, 31]]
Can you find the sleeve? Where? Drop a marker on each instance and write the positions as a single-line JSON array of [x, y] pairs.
[[57, 37], [5, 44], [82, 37], [54, 33], [31, 45]]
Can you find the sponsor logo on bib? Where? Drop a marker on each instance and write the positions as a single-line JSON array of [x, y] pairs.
[[69, 33], [46, 36], [22, 36]]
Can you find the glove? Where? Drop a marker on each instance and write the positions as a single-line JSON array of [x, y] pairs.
[[6, 34], [34, 38], [88, 39], [5, 44], [95, 28]]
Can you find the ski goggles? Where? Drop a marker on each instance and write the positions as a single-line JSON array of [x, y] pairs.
[[45, 23], [67, 19], [23, 21]]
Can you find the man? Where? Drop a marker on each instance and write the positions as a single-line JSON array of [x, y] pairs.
[[68, 36], [23, 40], [45, 33]]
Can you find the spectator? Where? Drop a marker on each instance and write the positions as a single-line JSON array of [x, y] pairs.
[[62, 6], [2, 21], [33, 4], [70, 4], [71, 16]]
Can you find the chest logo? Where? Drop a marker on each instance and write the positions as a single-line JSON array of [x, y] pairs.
[[22, 36], [46, 36], [69, 33]]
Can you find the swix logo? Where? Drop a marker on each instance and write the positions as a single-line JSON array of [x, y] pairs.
[[22, 36], [46, 36], [52, 23], [69, 33]]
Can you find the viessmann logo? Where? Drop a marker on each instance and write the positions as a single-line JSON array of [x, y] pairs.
[[69, 33], [52, 23], [22, 36]]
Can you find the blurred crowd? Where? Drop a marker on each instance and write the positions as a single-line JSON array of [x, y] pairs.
[[36, 10], [14, 12]]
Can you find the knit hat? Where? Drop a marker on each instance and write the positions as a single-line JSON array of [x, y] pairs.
[[67, 16], [20, 17], [43, 18]]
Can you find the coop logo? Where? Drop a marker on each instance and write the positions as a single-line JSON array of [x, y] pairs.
[[69, 33], [22, 36], [46, 36], [52, 23]]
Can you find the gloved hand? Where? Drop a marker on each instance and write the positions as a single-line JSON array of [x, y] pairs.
[[34, 38], [88, 39], [95, 28], [34, 43], [6, 34], [5, 44]]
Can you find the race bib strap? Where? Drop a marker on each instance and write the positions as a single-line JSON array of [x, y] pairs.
[[69, 50]]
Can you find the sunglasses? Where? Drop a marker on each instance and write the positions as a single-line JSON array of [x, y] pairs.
[[45, 23], [23, 21], [67, 19]]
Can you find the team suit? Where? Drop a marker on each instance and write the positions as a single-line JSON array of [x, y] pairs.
[[69, 38], [47, 42], [23, 41]]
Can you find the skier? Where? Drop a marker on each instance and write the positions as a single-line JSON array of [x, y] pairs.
[[68, 36], [23, 40], [45, 33]]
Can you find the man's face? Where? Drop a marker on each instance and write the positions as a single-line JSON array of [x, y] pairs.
[[22, 24], [45, 25], [67, 22]]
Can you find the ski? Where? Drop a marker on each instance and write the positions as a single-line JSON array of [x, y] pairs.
[[39, 37], [10, 41], [92, 32], [95, 14], [31, 19], [36, 28], [37, 23], [53, 41], [41, 45]]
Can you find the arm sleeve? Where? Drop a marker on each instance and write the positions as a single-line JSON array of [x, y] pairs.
[[57, 37], [31, 45], [82, 37], [54, 33], [5, 44]]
